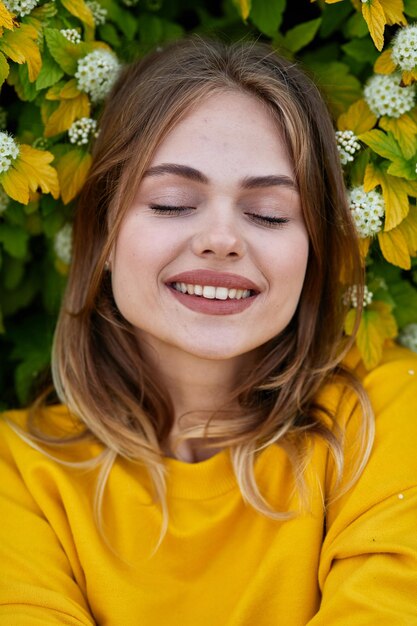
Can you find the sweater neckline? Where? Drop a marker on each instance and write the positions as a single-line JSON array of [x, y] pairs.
[[205, 479]]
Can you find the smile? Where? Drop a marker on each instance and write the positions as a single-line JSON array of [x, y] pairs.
[[212, 293]]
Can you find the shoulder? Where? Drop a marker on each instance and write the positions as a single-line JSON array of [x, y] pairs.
[[28, 434], [392, 465]]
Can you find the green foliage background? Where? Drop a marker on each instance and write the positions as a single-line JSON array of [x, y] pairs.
[[332, 39]]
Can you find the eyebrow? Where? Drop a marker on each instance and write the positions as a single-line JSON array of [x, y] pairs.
[[249, 182]]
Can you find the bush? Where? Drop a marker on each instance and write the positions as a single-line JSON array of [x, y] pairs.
[[57, 62]]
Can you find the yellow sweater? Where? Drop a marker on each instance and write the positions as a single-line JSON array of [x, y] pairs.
[[221, 563]]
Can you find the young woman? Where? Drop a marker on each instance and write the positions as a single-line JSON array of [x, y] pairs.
[[213, 460]]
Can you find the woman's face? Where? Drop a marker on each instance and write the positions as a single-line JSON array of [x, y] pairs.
[[211, 257]]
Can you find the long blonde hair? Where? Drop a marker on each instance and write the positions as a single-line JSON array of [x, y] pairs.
[[98, 372]]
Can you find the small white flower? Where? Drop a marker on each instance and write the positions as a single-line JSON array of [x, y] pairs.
[[81, 130], [404, 48], [385, 96], [350, 297], [4, 200], [71, 34], [63, 244], [20, 7], [9, 151], [97, 73], [408, 337], [99, 12], [347, 144], [368, 210], [3, 118]]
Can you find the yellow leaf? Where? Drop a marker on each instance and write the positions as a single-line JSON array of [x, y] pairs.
[[386, 321], [79, 9], [364, 247], [21, 46], [369, 340], [409, 77], [72, 171], [67, 112], [404, 129], [394, 248], [374, 16], [15, 185], [384, 63], [376, 326], [54, 92], [6, 19], [408, 228], [358, 118], [70, 90], [394, 191], [371, 179], [393, 10], [34, 165]]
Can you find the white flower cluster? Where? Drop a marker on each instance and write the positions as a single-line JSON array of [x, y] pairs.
[[3, 118], [97, 73], [385, 96], [20, 7], [350, 297], [4, 200], [404, 48], [368, 210], [63, 244], [408, 337], [71, 34], [99, 12], [81, 130], [347, 144], [9, 151]]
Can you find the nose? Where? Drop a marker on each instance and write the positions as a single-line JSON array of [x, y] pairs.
[[219, 236]]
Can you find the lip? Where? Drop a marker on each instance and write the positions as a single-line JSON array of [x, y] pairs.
[[214, 279]]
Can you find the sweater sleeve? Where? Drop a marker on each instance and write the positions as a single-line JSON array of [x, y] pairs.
[[37, 585], [368, 565]]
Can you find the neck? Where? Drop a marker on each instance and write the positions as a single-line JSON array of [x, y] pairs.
[[198, 388]]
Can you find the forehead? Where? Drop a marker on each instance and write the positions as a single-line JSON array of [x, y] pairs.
[[227, 129]]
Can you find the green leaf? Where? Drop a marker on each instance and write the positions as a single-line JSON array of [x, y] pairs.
[[410, 8], [32, 348], [127, 23], [63, 51], [53, 289], [340, 87], [403, 169], [150, 29], [14, 239], [301, 35], [4, 68], [12, 272], [355, 27], [361, 50], [19, 78], [334, 15], [109, 34], [50, 72], [405, 298], [267, 15], [383, 144]]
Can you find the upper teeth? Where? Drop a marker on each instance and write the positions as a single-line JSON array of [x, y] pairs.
[[207, 291]]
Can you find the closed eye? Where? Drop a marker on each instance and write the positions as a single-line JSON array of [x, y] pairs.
[[268, 220], [162, 209]]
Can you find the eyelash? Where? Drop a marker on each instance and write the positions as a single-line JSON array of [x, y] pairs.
[[265, 220]]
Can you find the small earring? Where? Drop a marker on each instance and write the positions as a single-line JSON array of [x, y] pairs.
[[107, 266]]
